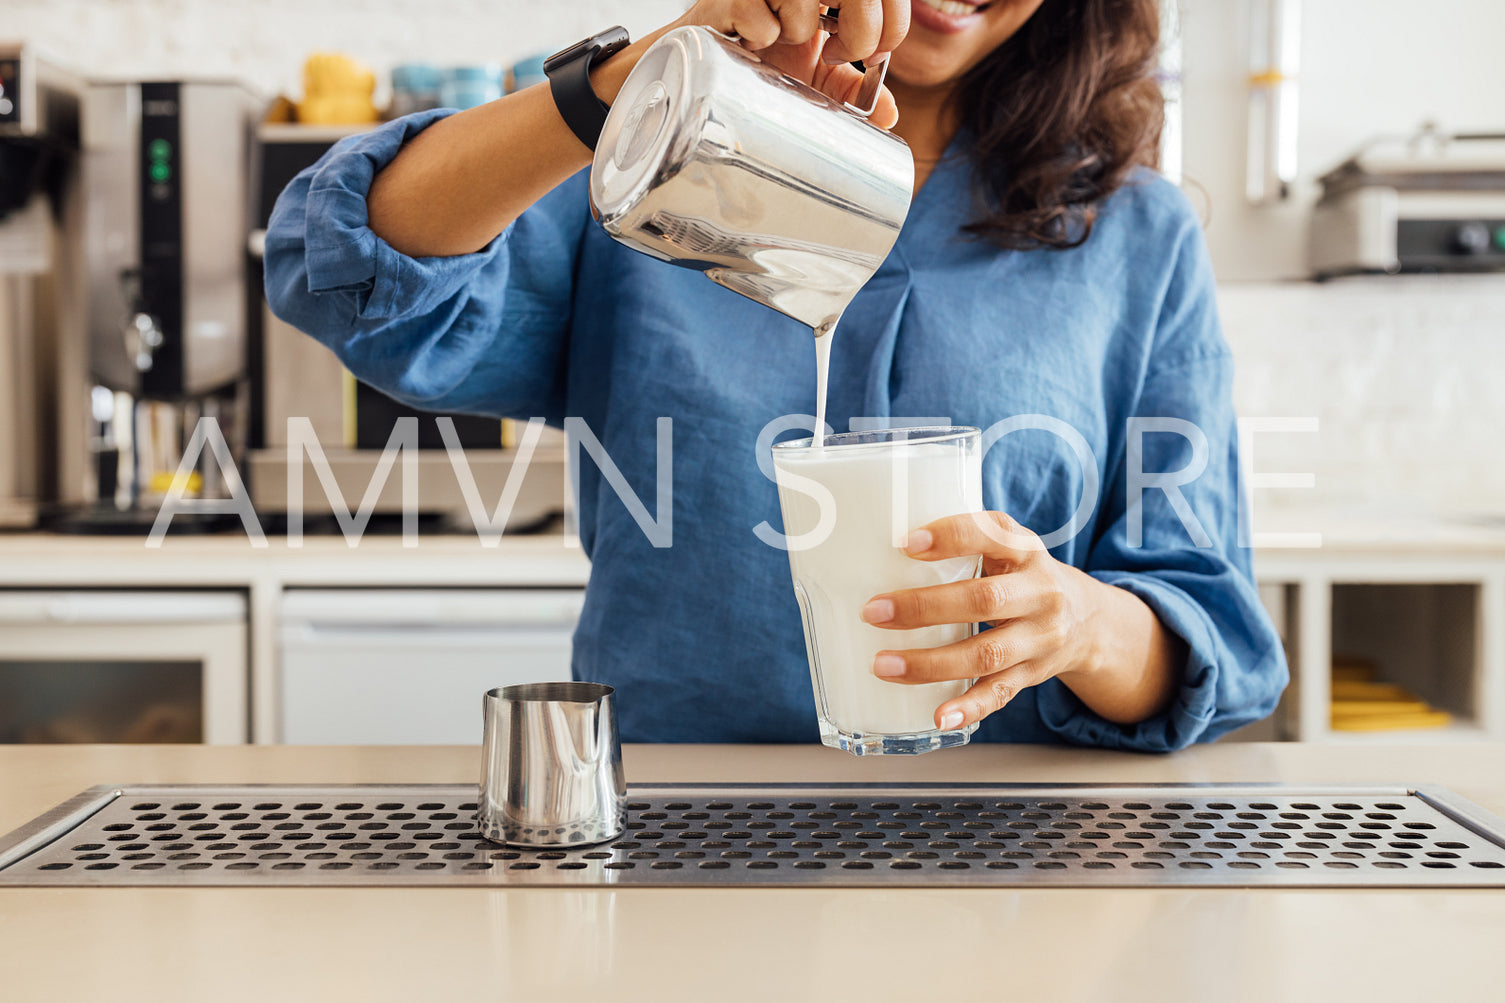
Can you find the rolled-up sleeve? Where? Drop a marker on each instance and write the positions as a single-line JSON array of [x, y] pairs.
[[1177, 546], [472, 332]]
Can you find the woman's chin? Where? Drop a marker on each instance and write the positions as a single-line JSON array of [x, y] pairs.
[[922, 71]]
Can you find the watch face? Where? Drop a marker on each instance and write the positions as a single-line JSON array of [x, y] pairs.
[[598, 46], [568, 55], [613, 40]]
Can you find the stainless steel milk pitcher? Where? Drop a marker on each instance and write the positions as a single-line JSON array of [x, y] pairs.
[[551, 769], [713, 159]]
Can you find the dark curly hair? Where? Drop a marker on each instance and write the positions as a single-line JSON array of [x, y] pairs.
[[1062, 112]]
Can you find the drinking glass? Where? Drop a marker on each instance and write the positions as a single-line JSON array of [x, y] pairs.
[[848, 504]]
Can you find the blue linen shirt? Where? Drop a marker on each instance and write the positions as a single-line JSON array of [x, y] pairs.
[[702, 639]]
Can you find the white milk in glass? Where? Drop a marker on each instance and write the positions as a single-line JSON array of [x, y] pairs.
[[847, 506]]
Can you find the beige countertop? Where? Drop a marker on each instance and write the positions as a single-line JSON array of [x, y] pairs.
[[710, 944], [1345, 535], [230, 560], [1378, 533]]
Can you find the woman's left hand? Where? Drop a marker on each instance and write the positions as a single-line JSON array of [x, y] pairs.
[[1047, 618]]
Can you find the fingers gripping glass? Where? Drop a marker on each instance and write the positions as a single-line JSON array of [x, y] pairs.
[[847, 506]]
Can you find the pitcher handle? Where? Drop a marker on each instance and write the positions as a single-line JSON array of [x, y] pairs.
[[873, 75]]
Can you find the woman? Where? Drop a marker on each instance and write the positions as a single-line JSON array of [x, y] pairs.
[[1044, 270]]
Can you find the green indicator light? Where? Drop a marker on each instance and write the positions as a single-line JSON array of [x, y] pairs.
[[160, 172], [1500, 237], [160, 149]]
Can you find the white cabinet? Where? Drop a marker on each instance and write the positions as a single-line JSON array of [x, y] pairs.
[[409, 667], [123, 666]]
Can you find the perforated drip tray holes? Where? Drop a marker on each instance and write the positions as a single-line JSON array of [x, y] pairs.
[[950, 835]]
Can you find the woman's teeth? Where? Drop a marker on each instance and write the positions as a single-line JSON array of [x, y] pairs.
[[952, 7]]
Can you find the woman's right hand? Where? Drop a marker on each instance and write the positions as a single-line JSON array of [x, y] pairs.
[[465, 179], [787, 34]]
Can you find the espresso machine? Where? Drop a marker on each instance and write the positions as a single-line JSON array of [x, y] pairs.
[[42, 392], [166, 193]]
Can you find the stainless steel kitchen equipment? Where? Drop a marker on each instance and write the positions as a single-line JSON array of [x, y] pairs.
[[167, 170], [1429, 202], [347, 659], [714, 160], [98, 666], [795, 835], [167, 185], [551, 775], [294, 379], [40, 242]]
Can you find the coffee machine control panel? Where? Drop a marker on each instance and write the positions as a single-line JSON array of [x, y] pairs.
[[161, 261]]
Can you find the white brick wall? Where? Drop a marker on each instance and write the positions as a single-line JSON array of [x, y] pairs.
[[1406, 376]]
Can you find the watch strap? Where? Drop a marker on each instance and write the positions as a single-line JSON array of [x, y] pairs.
[[570, 83]]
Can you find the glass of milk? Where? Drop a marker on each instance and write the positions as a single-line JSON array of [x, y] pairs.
[[848, 504]]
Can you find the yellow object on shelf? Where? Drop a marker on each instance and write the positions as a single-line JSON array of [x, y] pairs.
[[1368, 691], [337, 91], [163, 481], [1372, 708], [1362, 703], [1391, 722]]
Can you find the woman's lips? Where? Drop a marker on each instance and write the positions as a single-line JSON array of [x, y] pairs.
[[947, 16]]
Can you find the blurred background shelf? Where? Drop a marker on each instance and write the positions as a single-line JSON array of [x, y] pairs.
[[1434, 626]]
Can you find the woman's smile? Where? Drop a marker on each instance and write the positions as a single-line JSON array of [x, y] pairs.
[[949, 37], [947, 16]]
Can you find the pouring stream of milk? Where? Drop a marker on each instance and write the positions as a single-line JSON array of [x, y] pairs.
[[823, 336]]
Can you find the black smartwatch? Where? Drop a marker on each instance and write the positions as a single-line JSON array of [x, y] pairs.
[[570, 82]]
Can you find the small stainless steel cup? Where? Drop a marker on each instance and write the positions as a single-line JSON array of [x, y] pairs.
[[552, 773]]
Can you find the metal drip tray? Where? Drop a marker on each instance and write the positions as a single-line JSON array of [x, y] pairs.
[[890, 835]]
